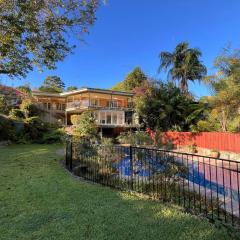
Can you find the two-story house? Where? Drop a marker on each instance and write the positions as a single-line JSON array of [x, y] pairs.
[[112, 109]]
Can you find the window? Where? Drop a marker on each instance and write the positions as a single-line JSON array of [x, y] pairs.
[[47, 106], [102, 118], [58, 106], [130, 103], [120, 118], [94, 102], [114, 118], [70, 99], [109, 118], [114, 103]]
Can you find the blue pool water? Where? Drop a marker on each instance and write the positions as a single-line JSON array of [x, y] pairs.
[[193, 175]]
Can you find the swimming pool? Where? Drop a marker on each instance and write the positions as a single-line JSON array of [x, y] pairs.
[[196, 173]]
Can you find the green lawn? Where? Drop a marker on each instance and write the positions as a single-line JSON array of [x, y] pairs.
[[40, 200]]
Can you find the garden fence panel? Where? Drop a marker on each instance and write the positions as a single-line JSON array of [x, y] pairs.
[[201, 185]]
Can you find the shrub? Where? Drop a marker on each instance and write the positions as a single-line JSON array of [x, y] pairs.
[[3, 105], [135, 138], [7, 129], [86, 126], [16, 114], [234, 125], [75, 119], [29, 109], [53, 136], [107, 141], [34, 129]]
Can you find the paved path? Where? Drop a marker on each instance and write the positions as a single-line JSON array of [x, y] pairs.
[[61, 152]]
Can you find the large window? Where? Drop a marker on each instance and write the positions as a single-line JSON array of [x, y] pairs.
[[111, 117], [120, 118], [102, 118], [114, 118], [114, 103]]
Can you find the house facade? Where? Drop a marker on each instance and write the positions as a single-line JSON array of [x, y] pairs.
[[111, 109], [12, 95]]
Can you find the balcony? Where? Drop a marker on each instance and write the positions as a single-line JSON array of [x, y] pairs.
[[86, 104], [52, 107], [77, 105]]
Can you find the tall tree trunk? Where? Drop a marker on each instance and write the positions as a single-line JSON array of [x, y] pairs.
[[224, 120], [184, 85]]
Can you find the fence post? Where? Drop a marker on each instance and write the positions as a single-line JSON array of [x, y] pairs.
[[70, 165], [66, 155], [131, 167]]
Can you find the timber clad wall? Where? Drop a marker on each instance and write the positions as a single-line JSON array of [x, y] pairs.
[[112, 106], [210, 140]]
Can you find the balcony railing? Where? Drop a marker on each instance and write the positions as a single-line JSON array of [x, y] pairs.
[[77, 105], [87, 104]]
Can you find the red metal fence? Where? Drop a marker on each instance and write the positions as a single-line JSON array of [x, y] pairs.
[[210, 140]]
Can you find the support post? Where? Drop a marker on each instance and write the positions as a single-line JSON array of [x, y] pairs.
[[111, 102], [66, 154], [131, 167], [66, 118], [89, 100]]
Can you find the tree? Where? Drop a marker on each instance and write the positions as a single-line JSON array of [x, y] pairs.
[[225, 103], [52, 84], [85, 125], [162, 106], [29, 109], [35, 33], [4, 108], [183, 65], [134, 79], [72, 88], [25, 89]]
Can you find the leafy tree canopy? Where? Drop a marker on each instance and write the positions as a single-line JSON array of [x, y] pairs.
[[183, 65], [25, 89], [134, 79], [223, 114], [35, 32], [52, 84], [163, 106], [72, 88]]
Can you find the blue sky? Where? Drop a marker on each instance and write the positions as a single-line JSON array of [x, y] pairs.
[[130, 33]]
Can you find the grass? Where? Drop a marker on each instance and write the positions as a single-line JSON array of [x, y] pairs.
[[40, 200]]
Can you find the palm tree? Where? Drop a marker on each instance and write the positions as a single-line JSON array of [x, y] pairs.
[[183, 65]]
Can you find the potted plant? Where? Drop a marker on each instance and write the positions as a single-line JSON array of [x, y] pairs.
[[215, 153]]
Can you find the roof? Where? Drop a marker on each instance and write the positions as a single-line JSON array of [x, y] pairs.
[[82, 90], [10, 90]]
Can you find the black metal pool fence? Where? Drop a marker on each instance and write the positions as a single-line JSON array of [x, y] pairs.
[[201, 185]]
